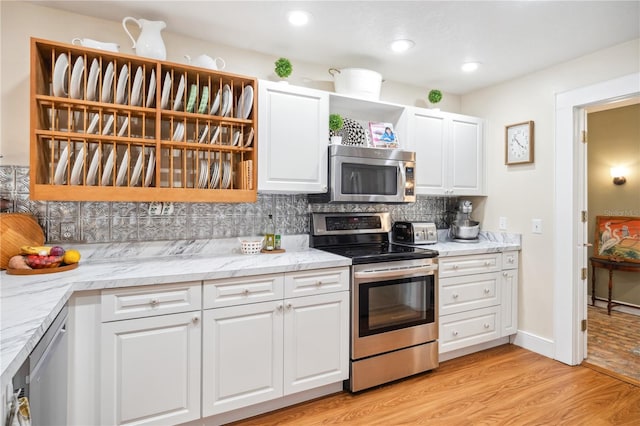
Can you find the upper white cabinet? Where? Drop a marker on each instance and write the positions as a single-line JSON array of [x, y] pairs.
[[294, 135], [449, 152]]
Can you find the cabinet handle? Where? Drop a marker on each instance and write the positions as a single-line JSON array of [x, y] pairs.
[[318, 283], [455, 266], [486, 291], [289, 305], [153, 302], [195, 320], [486, 325], [455, 333], [487, 263], [511, 259], [245, 292], [279, 307], [454, 295], [504, 274]]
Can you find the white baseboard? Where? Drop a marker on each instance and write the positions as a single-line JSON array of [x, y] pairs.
[[446, 356], [534, 343], [627, 309]]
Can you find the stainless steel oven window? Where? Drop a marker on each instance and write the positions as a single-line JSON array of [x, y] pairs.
[[395, 304]]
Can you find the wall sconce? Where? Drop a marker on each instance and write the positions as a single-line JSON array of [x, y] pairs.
[[617, 173]]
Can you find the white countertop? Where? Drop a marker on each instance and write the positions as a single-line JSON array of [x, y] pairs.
[[30, 303]]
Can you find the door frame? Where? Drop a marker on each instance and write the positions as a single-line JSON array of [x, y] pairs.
[[569, 301]]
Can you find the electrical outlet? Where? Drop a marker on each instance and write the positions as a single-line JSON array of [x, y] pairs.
[[536, 226], [167, 209], [502, 223], [155, 208], [67, 231]]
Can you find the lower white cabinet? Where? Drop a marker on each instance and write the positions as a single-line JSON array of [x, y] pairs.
[[256, 352], [150, 372], [478, 299]]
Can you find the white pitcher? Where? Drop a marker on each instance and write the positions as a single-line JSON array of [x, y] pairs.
[[150, 43], [206, 61]]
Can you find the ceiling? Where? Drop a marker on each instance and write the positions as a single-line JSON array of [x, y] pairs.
[[509, 38]]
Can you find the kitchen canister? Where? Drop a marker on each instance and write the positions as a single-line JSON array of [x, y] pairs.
[[358, 82]]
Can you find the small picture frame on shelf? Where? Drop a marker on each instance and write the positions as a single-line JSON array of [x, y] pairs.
[[383, 135]]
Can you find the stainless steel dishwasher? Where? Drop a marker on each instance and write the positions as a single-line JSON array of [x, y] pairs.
[[46, 382]]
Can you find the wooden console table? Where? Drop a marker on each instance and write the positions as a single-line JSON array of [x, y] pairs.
[[611, 266]]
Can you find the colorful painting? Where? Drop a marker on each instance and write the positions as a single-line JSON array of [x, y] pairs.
[[617, 238]]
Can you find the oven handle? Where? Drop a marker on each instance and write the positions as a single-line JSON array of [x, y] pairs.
[[397, 273]]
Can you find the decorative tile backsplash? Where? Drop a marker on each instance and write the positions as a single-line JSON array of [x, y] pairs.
[[99, 222]]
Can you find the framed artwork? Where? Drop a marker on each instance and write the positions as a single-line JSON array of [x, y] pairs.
[[383, 135], [617, 238], [518, 143]]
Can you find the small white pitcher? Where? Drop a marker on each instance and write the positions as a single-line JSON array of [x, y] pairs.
[[149, 43], [206, 61]]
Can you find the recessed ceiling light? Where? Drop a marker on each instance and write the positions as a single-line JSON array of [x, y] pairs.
[[470, 66], [298, 18], [400, 46]]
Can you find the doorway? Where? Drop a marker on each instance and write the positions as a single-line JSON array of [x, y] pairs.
[[570, 301]]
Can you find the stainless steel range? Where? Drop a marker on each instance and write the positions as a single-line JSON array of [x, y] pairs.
[[394, 310]]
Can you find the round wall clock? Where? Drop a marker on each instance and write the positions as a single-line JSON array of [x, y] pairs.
[[519, 143]]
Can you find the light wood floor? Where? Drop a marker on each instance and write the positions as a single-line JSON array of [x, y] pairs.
[[506, 385]]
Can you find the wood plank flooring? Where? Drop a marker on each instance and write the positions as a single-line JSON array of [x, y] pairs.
[[613, 343], [506, 385]]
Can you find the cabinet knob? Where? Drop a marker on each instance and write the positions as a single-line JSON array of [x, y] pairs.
[[289, 305], [487, 263], [153, 302], [511, 259], [455, 295], [486, 291], [318, 283], [455, 266], [279, 307], [455, 333], [504, 274], [245, 292], [195, 320], [486, 325]]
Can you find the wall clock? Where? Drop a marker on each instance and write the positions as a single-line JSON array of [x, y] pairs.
[[519, 143]]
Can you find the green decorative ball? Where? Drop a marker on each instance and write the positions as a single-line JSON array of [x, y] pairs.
[[283, 67], [335, 122], [435, 96]]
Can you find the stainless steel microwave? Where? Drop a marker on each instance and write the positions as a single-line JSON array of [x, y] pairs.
[[370, 175]]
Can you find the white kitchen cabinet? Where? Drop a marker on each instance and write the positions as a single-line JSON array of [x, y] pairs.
[[150, 354], [294, 136], [151, 370], [509, 293], [478, 300], [297, 340], [449, 152]]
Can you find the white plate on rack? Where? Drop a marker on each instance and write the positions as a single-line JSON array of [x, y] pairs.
[[92, 81], [93, 167], [204, 174], [216, 103], [76, 78], [226, 100], [107, 127], [236, 138], [203, 134], [121, 93], [151, 94], [76, 173], [178, 132], [166, 91], [106, 172], [247, 101], [249, 139], [123, 126], [215, 134], [215, 174], [60, 70], [150, 168], [226, 174], [107, 83], [94, 122], [136, 90], [202, 109], [122, 170], [177, 103], [137, 169], [59, 176]]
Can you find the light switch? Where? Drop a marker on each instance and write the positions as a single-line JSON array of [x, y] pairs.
[[502, 223], [536, 226]]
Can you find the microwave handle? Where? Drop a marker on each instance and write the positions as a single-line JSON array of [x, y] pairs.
[[403, 177]]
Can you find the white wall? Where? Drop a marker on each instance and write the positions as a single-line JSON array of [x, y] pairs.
[[524, 192], [20, 21]]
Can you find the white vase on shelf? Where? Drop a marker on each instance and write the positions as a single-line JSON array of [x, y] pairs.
[[336, 140]]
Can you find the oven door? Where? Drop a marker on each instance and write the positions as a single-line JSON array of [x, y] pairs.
[[355, 179], [393, 306]]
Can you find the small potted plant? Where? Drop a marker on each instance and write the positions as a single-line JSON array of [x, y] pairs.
[[283, 68], [335, 123], [434, 97]]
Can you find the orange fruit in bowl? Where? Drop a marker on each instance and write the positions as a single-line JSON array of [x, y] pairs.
[[71, 256]]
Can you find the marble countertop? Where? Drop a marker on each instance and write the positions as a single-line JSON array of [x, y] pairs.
[[30, 303]]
